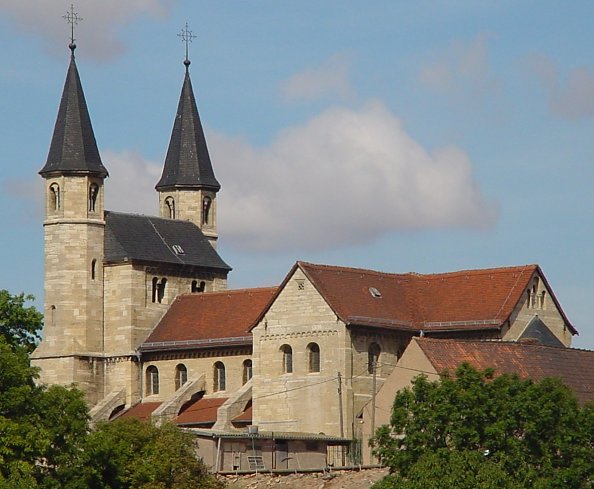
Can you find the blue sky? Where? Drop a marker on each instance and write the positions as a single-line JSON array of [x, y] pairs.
[[423, 136]]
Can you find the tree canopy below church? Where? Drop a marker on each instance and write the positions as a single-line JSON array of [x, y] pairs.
[[473, 429], [46, 441]]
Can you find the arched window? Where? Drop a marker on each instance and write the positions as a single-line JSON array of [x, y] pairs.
[[54, 197], [155, 289], [93, 269], [542, 300], [198, 288], [219, 377], [287, 359], [161, 290], [313, 354], [93, 192], [170, 203], [373, 354], [247, 371], [206, 205], [152, 380], [181, 375], [52, 315]]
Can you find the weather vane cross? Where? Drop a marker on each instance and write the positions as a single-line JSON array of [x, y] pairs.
[[187, 37], [73, 19]]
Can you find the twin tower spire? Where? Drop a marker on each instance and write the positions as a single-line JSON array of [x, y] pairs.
[[73, 150]]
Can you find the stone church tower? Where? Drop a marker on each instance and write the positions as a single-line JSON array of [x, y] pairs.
[[110, 276], [188, 187]]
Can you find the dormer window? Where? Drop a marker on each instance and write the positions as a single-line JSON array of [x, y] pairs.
[[178, 249], [375, 293]]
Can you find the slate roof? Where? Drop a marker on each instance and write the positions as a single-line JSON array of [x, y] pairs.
[[73, 148], [187, 164], [209, 319], [200, 412], [574, 367], [134, 237], [466, 300]]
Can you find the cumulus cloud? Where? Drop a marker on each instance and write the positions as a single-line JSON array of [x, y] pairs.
[[573, 99], [462, 70], [99, 28], [330, 79], [344, 177]]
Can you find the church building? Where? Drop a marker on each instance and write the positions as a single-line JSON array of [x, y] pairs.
[[138, 316]]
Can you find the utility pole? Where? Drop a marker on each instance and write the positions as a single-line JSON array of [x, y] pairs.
[[373, 389], [340, 414]]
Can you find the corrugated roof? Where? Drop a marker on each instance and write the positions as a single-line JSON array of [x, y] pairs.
[[200, 412], [187, 164], [464, 300], [73, 148], [132, 237], [199, 318], [574, 367]]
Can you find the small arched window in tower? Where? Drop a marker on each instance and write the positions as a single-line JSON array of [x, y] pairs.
[[155, 289], [93, 269], [542, 300], [247, 371], [161, 290], [170, 203], [198, 287], [313, 354], [219, 383], [181, 375], [52, 320], [152, 380], [54, 197], [373, 354], [93, 193], [206, 205], [287, 359]]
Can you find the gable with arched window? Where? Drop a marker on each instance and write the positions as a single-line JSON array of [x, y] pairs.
[[152, 380]]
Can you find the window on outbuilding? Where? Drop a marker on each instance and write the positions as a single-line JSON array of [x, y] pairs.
[[219, 377], [247, 371], [181, 375], [152, 380], [373, 354], [287, 359], [313, 353]]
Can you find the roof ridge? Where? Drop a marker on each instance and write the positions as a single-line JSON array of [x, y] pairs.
[[499, 342], [229, 291]]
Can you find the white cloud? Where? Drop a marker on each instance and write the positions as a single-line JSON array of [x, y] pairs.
[[571, 100], [99, 28], [462, 70], [330, 79], [344, 177]]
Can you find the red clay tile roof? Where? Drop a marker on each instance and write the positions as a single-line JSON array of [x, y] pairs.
[[469, 299], [141, 411], [202, 411], [209, 319], [574, 367], [245, 417]]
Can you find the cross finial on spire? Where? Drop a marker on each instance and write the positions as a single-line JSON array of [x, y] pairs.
[[187, 37], [73, 19]]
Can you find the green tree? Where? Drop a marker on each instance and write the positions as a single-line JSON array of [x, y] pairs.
[[19, 324], [133, 454], [520, 433]]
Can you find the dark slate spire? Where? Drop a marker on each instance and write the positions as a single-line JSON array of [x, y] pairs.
[[187, 164], [73, 148]]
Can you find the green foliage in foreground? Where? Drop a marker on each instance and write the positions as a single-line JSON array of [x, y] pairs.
[[476, 431], [45, 441], [19, 324]]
